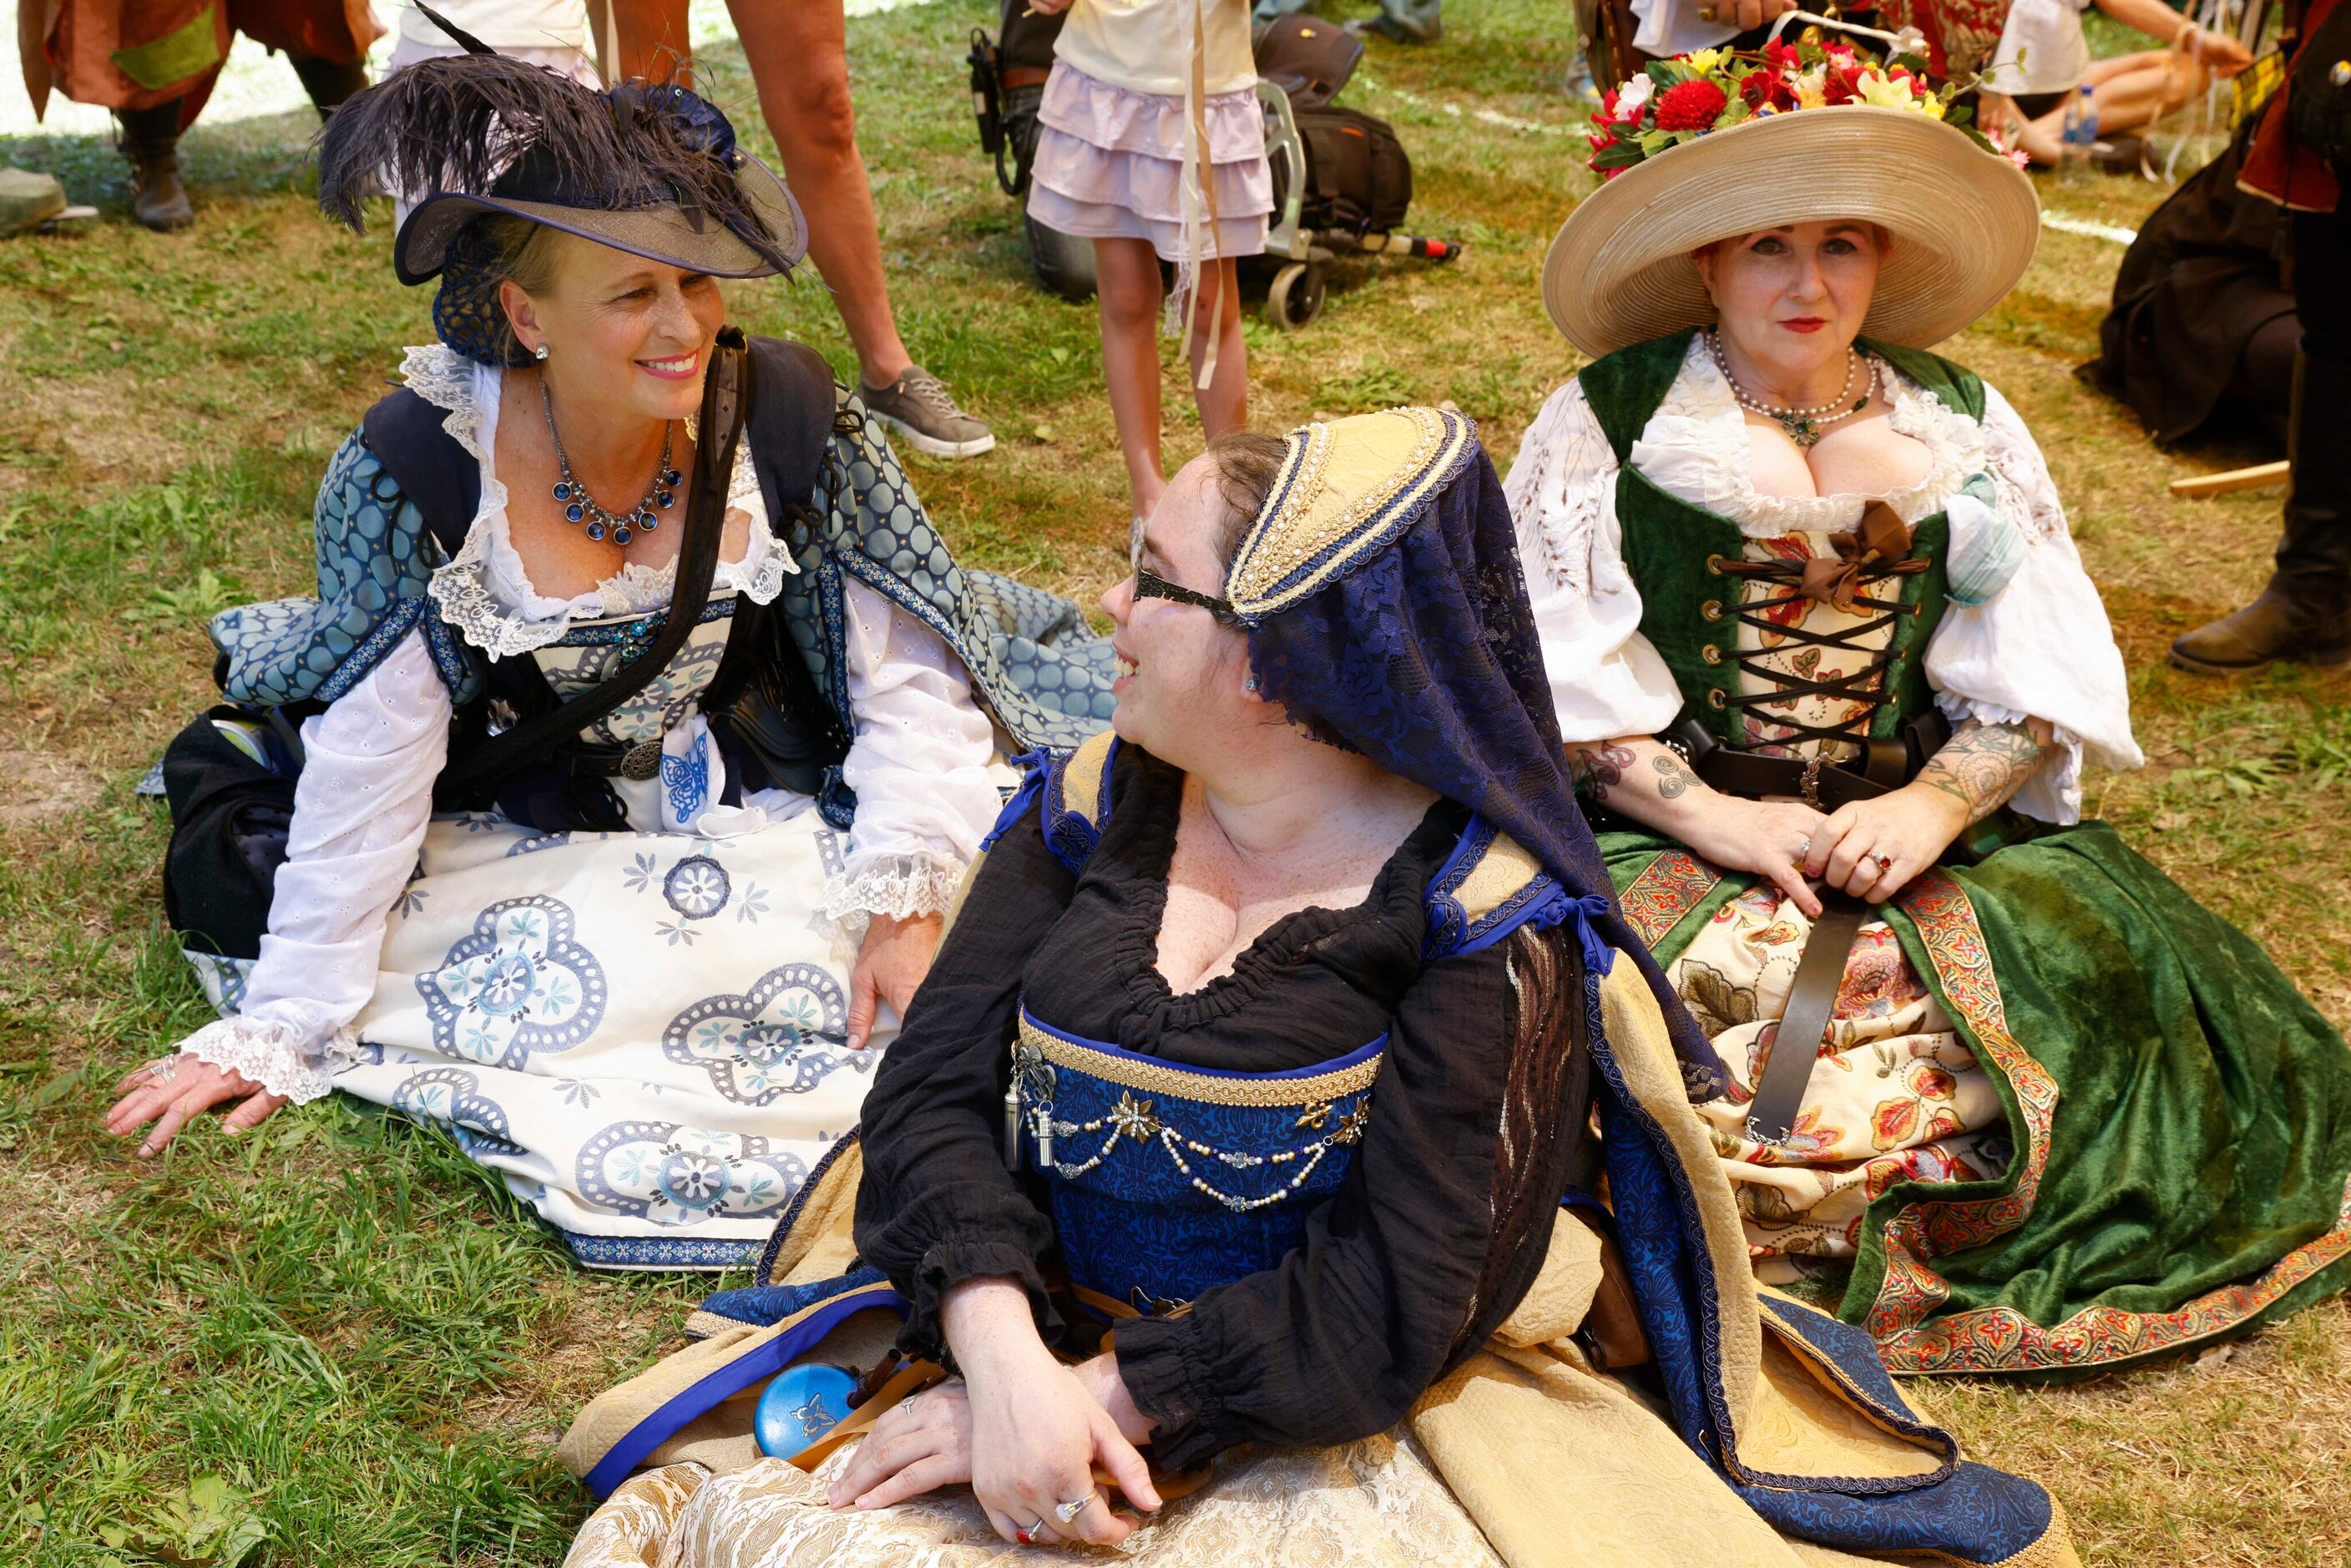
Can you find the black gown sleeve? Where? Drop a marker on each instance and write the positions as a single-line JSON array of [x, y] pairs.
[[1337, 1343], [935, 1205]]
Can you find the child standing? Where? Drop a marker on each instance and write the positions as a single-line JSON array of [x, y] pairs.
[[1152, 145]]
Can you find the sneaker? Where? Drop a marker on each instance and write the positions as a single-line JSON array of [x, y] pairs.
[[918, 406]]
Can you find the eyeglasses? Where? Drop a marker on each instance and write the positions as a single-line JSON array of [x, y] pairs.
[[1149, 584]]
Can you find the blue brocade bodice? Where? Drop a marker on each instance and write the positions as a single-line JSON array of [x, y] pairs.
[[1168, 1180]]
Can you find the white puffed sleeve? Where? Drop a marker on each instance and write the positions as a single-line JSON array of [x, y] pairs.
[[361, 807], [1607, 680], [918, 764], [2041, 647]]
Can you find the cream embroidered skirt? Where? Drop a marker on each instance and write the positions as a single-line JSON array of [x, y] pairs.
[[643, 1031]]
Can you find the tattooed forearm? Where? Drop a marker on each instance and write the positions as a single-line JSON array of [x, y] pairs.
[[1673, 776], [1598, 770], [1984, 764]]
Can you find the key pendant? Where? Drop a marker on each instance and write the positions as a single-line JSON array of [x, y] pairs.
[[1012, 1124], [1044, 1126]]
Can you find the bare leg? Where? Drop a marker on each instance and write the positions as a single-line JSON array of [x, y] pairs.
[[653, 41], [799, 53], [1126, 287], [2130, 91], [1224, 401]]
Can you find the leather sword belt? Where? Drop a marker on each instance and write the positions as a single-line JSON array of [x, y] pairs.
[[636, 762]]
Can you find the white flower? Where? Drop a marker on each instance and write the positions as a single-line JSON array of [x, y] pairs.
[[1632, 95]]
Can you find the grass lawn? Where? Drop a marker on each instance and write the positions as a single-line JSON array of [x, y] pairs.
[[335, 1341]]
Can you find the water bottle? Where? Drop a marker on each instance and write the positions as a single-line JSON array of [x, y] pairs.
[[2081, 136]]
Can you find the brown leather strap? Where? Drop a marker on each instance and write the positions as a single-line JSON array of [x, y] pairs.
[[1804, 1023], [1016, 76], [1825, 787]]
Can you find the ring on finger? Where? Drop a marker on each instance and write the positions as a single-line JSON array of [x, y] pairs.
[[1027, 1533], [162, 1069], [1067, 1512], [1885, 862]]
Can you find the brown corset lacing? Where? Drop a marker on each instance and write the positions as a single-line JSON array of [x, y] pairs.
[[1874, 553]]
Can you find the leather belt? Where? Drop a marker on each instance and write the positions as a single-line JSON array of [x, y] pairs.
[[1015, 78], [1804, 1022], [1822, 786], [636, 762]]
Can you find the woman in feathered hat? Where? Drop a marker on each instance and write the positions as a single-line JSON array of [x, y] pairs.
[[644, 719], [1246, 1121], [1824, 652]]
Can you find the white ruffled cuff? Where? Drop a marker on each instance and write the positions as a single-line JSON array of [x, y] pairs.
[[271, 1053], [900, 886]]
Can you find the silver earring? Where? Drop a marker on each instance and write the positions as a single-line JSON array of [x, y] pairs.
[[539, 352], [1248, 685]]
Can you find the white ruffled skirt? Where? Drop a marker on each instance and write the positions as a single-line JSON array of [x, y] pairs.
[[1109, 165]]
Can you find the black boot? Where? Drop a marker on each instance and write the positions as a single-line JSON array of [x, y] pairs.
[[328, 83], [2304, 614], [151, 140]]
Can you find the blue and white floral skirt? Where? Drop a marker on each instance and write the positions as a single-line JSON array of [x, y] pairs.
[[643, 1031]]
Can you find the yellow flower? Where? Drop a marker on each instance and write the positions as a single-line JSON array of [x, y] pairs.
[[1932, 108], [1809, 94], [1876, 89], [1704, 61]]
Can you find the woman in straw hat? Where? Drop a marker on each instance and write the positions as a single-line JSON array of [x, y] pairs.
[[1826, 657], [1241, 1109], [644, 721]]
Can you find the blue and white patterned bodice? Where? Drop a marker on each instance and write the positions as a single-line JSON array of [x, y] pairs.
[[592, 651], [1169, 1180]]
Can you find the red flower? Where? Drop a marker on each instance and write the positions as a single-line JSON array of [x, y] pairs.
[[1693, 105], [1839, 87], [1782, 58], [1762, 89]]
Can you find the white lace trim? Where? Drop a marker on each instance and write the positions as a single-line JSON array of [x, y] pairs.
[[484, 590], [444, 378], [1696, 447], [900, 886], [270, 1053]]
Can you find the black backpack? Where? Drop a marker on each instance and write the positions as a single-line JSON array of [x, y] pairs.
[[1358, 176]]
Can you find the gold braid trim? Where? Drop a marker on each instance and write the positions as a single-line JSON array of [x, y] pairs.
[[1182, 1083]]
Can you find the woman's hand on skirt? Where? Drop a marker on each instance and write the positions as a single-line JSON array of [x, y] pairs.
[[173, 1090], [1872, 848], [922, 1445], [891, 964], [1769, 837], [1037, 1436]]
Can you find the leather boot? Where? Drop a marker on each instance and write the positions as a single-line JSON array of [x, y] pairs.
[[326, 82], [2305, 613], [150, 141]]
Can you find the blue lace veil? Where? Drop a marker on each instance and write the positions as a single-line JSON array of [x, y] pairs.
[[1386, 612]]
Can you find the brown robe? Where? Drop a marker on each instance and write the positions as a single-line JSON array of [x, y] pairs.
[[137, 54]]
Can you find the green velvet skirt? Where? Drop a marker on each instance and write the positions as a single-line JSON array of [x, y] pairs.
[[2181, 1115]]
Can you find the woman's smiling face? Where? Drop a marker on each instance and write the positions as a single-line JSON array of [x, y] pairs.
[[620, 329], [1181, 672], [1792, 299]]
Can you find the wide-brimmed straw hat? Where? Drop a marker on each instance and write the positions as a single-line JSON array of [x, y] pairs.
[[1964, 223]]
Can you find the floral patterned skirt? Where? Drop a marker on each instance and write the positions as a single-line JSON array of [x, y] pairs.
[[643, 1031], [1896, 1095]]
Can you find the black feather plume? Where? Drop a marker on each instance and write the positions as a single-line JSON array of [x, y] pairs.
[[458, 35], [461, 123]]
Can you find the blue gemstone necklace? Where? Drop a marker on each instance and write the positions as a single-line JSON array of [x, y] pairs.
[[579, 507]]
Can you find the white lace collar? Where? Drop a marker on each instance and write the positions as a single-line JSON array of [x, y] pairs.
[[484, 592], [1695, 447]]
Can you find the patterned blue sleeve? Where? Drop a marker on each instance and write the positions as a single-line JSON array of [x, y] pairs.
[[375, 559]]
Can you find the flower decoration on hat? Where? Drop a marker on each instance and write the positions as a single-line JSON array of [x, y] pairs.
[[1681, 100]]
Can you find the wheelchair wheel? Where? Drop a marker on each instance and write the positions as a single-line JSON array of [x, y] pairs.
[[1296, 296]]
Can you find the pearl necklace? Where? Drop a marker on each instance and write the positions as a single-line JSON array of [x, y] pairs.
[[581, 507], [1803, 425]]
